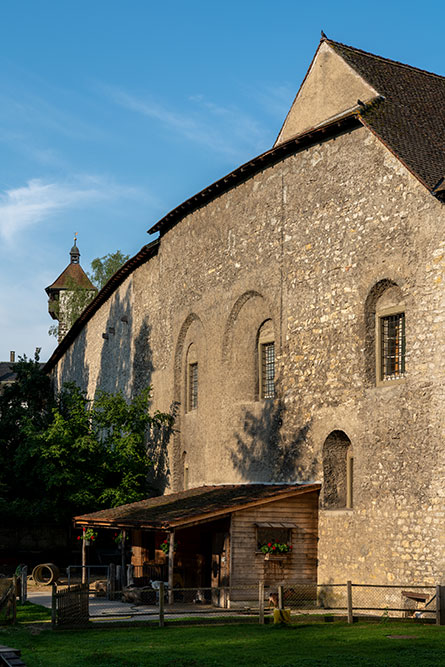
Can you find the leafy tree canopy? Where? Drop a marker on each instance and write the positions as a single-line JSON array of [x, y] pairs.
[[102, 268], [66, 455]]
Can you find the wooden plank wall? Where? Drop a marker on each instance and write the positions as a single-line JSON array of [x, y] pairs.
[[249, 567]]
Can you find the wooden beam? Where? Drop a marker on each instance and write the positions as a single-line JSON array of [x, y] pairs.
[[171, 556]]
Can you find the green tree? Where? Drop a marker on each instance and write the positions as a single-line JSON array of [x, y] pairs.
[[103, 268], [25, 412], [66, 455]]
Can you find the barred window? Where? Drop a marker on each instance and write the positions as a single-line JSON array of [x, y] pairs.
[[268, 370], [392, 346], [193, 386]]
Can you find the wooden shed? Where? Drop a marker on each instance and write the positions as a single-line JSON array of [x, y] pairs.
[[231, 535]]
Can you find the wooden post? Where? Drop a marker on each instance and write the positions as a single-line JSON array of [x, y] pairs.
[[84, 558], [123, 568], [349, 594], [261, 602], [161, 604], [24, 584], [171, 556], [14, 599], [53, 605], [280, 597], [111, 584], [440, 605], [130, 574]]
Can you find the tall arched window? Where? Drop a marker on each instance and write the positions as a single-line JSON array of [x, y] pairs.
[[385, 343], [266, 361], [192, 378], [337, 471]]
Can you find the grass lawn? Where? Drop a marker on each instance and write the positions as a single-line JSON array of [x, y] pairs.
[[310, 642]]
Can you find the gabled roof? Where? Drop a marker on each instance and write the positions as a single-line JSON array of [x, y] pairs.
[[192, 506], [72, 274], [410, 119]]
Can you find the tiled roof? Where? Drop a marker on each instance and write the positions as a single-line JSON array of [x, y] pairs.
[[72, 273], [410, 119], [181, 508], [6, 372]]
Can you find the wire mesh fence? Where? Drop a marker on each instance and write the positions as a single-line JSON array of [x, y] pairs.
[[258, 602]]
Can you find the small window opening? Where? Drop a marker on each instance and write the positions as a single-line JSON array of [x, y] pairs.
[[392, 346], [193, 386], [267, 370]]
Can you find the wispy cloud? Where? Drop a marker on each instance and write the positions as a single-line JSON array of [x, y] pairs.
[[273, 99], [226, 130], [36, 201]]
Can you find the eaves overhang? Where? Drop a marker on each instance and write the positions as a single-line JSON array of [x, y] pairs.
[[339, 125]]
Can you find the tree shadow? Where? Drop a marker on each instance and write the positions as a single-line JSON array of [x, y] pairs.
[[129, 368], [74, 365], [262, 453], [157, 450]]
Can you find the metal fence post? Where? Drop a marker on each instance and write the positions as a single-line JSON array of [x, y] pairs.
[[349, 593], [280, 597], [53, 605], [261, 602], [161, 604]]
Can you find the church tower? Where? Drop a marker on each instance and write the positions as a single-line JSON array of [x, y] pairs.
[[70, 293]]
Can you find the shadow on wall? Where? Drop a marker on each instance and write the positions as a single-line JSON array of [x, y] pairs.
[[129, 369], [261, 452], [115, 362], [75, 366], [159, 474]]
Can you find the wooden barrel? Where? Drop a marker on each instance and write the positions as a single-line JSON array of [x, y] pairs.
[[46, 574]]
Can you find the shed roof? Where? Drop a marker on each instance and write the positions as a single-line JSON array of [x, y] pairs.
[[192, 506]]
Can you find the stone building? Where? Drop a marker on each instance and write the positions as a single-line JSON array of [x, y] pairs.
[[294, 312]]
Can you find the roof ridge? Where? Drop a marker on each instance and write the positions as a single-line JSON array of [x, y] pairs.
[[387, 60]]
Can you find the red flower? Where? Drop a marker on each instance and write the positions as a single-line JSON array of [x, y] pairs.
[[269, 544], [78, 537], [274, 547]]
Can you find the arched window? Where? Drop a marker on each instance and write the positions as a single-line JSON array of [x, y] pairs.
[[266, 361], [337, 471], [385, 333], [390, 336]]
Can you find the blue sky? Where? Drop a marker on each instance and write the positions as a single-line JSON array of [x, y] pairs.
[[112, 113]]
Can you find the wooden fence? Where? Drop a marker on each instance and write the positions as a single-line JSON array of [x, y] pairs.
[[70, 606]]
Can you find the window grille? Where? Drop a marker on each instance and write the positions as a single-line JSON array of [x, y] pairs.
[[392, 341], [193, 386], [268, 370]]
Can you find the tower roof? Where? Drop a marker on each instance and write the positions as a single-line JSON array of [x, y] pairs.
[[72, 274]]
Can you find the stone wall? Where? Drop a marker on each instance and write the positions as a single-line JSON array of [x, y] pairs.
[[305, 244]]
